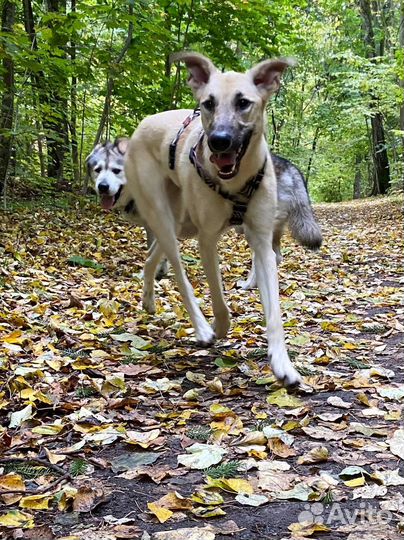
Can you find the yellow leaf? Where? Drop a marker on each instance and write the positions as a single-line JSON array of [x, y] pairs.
[[54, 458], [11, 482], [15, 337], [17, 519], [257, 454], [306, 528], [282, 399], [174, 501], [50, 429], [319, 454], [162, 514], [235, 485], [355, 482], [207, 512], [220, 411], [36, 502]]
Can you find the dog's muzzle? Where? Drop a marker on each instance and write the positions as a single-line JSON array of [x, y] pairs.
[[108, 201], [225, 156]]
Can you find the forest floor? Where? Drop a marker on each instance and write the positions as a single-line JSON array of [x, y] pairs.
[[110, 418]]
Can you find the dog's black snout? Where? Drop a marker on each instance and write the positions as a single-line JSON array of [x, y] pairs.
[[220, 141], [103, 187]]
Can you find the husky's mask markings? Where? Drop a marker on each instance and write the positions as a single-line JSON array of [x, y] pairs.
[[105, 164]]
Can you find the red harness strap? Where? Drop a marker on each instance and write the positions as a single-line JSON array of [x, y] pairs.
[[174, 142]]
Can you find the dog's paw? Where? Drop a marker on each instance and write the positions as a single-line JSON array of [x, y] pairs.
[[148, 302], [283, 368], [162, 269], [247, 284], [205, 337]]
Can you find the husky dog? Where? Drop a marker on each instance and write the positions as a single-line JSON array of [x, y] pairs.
[[105, 165], [198, 175], [294, 209]]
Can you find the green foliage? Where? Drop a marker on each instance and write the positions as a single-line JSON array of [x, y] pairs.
[[77, 260], [78, 467], [320, 119], [224, 470], [27, 471], [199, 433]]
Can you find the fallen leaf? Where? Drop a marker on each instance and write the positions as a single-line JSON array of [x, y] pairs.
[[201, 456]]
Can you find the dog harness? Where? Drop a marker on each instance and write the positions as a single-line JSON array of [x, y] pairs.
[[173, 146], [241, 199]]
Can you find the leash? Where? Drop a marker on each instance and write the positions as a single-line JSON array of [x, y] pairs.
[[241, 199], [173, 146]]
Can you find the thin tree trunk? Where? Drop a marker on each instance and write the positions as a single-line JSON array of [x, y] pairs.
[[401, 82], [58, 139], [111, 77], [7, 101], [73, 111], [358, 178], [38, 83], [313, 151], [381, 174]]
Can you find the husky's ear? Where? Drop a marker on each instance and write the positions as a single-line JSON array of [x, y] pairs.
[[267, 75], [200, 68], [121, 143]]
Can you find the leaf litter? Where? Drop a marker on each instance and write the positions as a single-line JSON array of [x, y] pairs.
[[114, 425]]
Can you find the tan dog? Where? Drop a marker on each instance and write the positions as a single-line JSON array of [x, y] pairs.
[[222, 175]]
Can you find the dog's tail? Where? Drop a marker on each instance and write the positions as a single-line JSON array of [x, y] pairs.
[[304, 227]]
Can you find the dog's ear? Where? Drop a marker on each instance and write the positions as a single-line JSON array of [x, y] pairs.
[[121, 143], [267, 75], [200, 68]]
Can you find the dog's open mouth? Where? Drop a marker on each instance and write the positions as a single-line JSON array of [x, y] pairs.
[[227, 164], [108, 201]]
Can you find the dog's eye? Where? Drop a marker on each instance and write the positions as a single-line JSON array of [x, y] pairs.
[[97, 169], [243, 104], [209, 104], [116, 171]]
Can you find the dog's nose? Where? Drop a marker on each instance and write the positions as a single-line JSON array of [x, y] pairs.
[[220, 141], [103, 187]]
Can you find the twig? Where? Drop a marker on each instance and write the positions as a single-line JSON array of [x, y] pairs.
[[43, 462], [43, 489]]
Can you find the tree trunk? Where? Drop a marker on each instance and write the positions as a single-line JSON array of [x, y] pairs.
[[381, 173], [401, 81], [73, 111], [58, 138], [7, 101], [358, 178], [111, 75], [313, 151], [38, 83]]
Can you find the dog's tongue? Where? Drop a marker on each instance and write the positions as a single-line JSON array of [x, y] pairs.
[[224, 160], [107, 202]]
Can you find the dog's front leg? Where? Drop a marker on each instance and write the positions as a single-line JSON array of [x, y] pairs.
[[267, 278], [210, 262]]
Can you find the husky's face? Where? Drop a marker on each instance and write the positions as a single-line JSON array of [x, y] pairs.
[[105, 165]]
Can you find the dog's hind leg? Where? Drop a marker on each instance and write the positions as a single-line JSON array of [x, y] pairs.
[[149, 273], [162, 268], [267, 277], [251, 281], [210, 262], [164, 231]]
